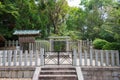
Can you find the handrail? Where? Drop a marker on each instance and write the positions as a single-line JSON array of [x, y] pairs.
[[36, 73], [79, 73]]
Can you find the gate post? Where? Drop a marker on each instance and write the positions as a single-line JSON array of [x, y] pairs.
[[42, 57], [74, 57]]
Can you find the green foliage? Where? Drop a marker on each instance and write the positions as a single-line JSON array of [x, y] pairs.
[[112, 46], [8, 14], [97, 19], [99, 43], [44, 44], [59, 46]]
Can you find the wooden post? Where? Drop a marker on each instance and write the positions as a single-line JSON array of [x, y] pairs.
[[26, 58], [15, 57], [36, 58], [20, 58], [6, 44], [29, 46], [96, 57], [16, 43], [74, 57], [117, 58], [91, 55], [107, 58], [4, 57], [13, 42], [9, 43], [32, 46], [51, 44], [1, 58], [85, 57], [9, 57], [80, 53], [112, 57], [42, 56], [102, 59], [31, 57], [67, 45]]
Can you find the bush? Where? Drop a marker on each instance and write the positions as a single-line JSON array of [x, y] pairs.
[[107, 46], [99, 43], [112, 46]]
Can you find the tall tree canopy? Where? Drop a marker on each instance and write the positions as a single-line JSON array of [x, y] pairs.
[[95, 19]]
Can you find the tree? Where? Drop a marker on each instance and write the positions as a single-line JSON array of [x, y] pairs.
[[56, 13], [28, 15], [113, 22], [8, 14]]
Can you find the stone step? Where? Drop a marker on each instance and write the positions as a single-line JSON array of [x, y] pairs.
[[58, 69], [57, 72], [58, 77], [62, 75]]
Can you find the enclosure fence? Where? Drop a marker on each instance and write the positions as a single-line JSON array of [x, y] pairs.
[[46, 45], [36, 58]]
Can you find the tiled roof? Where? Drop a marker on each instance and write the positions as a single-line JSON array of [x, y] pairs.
[[26, 32]]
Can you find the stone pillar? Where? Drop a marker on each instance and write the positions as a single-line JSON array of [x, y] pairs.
[[74, 57], [51, 44], [67, 45], [42, 57]]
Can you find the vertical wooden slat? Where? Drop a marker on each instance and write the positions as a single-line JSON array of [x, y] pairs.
[[85, 57], [4, 57], [32, 46], [107, 58], [20, 57], [31, 57], [80, 58], [80, 53], [112, 57], [96, 57], [9, 43], [16, 42], [75, 57], [6, 43], [15, 58], [9, 57], [29, 46], [35, 46], [1, 58], [26, 58], [42, 57], [13, 42], [102, 59], [36, 58], [117, 58], [91, 56]]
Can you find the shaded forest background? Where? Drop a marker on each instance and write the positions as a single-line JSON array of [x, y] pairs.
[[93, 19]]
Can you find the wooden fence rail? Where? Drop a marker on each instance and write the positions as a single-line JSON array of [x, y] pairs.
[[99, 58], [20, 58], [36, 58], [46, 45]]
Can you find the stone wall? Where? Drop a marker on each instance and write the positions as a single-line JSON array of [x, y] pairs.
[[16, 72], [101, 73]]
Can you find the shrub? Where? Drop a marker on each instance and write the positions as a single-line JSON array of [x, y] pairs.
[[112, 46], [107, 46], [99, 43]]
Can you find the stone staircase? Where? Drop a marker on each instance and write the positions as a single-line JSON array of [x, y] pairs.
[[58, 73]]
